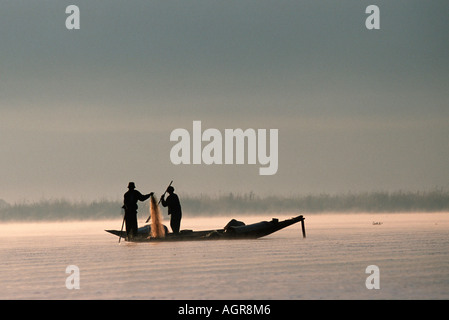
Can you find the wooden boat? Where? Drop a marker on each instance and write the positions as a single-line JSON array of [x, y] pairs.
[[233, 230]]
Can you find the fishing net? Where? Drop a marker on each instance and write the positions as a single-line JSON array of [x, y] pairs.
[[157, 228]]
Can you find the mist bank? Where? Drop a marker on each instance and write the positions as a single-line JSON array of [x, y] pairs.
[[229, 204]]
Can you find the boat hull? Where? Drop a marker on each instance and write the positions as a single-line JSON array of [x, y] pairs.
[[251, 231]]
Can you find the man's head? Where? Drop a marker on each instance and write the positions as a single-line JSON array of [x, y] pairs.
[[131, 185], [170, 190]]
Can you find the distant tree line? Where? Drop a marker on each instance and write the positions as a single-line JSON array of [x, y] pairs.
[[204, 205], [60, 209], [437, 200]]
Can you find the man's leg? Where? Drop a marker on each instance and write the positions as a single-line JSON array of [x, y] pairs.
[[175, 223], [131, 224]]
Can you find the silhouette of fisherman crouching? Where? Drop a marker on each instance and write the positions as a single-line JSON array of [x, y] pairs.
[[130, 205]]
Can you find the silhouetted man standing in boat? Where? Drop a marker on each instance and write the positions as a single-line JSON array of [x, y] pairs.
[[130, 205], [174, 209]]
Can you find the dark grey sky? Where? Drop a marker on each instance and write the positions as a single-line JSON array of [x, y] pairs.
[[82, 112]]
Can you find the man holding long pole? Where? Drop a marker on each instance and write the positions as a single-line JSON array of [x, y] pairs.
[[174, 209]]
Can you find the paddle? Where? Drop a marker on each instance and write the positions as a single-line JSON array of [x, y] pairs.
[[160, 200], [120, 237]]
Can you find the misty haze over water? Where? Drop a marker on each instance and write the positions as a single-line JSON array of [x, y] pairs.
[[249, 203]]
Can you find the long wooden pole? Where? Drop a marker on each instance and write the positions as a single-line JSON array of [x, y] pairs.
[[123, 222], [303, 227]]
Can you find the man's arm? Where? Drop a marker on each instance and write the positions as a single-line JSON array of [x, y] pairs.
[[142, 197], [163, 202]]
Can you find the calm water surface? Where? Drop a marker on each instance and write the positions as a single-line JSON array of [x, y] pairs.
[[410, 250]]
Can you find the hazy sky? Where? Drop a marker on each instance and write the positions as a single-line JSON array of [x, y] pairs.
[[83, 112]]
